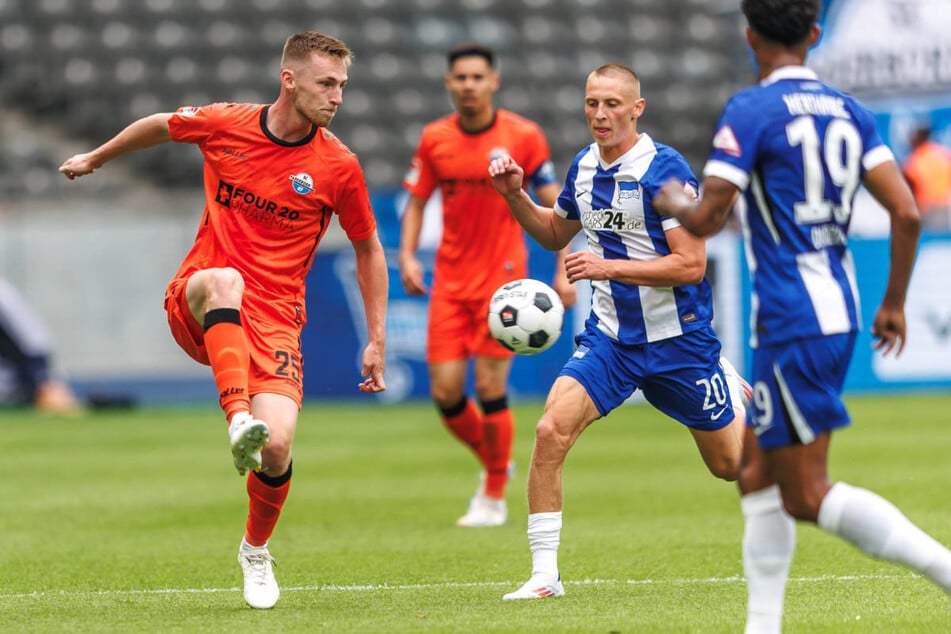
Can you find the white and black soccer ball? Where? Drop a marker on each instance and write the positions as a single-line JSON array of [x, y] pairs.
[[526, 316]]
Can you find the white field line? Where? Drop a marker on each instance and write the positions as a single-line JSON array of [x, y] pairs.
[[433, 586]]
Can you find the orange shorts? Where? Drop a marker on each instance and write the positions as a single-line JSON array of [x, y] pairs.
[[459, 329], [276, 362]]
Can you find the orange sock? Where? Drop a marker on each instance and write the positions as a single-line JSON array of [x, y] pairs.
[[230, 358], [499, 432], [266, 497], [464, 421]]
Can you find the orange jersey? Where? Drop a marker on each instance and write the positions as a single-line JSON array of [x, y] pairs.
[[928, 169], [482, 244], [269, 202]]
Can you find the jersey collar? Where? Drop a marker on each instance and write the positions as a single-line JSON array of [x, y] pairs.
[[307, 139], [495, 115], [790, 72]]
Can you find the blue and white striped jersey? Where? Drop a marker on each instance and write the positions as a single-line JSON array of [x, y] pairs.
[[613, 204], [799, 149]]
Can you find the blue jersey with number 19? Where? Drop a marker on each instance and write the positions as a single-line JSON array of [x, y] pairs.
[[799, 149]]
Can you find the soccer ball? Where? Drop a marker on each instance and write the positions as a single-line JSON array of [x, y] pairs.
[[526, 316]]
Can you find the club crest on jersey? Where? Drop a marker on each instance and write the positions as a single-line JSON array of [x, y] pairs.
[[497, 152], [302, 183], [627, 190], [188, 111]]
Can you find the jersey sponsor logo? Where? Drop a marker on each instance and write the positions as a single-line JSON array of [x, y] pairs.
[[452, 186], [302, 183], [725, 140], [255, 207], [610, 220]]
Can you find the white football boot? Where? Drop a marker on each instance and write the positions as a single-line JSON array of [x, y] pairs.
[[483, 512], [538, 587], [260, 586], [248, 437]]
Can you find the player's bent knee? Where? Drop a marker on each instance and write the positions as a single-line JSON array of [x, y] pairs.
[[549, 437], [802, 507], [726, 468], [228, 281], [277, 451]]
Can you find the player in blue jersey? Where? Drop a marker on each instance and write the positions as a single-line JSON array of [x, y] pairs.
[[650, 321], [798, 149]]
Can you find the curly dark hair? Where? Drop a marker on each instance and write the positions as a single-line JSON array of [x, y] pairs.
[[785, 22]]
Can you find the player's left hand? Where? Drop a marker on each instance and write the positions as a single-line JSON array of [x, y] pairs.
[[506, 175], [584, 265]]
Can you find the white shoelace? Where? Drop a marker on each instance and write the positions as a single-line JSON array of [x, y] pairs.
[[260, 566]]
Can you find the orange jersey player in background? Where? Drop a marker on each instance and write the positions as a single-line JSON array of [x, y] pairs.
[[274, 177], [481, 248]]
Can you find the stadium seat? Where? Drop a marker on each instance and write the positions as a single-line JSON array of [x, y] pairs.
[[117, 60]]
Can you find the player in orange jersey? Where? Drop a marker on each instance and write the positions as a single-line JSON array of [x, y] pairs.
[[482, 247], [927, 168], [274, 177]]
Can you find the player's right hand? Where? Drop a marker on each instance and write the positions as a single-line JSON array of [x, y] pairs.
[[78, 165], [889, 330], [506, 175]]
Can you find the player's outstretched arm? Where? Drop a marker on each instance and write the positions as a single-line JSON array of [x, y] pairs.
[[890, 189], [701, 218], [374, 286], [138, 135], [549, 229]]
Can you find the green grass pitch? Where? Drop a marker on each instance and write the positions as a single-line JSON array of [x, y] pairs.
[[130, 521]]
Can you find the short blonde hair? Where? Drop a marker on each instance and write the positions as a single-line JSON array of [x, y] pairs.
[[618, 69], [300, 45]]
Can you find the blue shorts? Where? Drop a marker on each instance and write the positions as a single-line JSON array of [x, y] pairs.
[[680, 376], [797, 389]]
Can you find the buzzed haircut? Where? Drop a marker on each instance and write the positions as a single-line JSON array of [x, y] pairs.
[[619, 69], [786, 22], [470, 49], [300, 45], [616, 68]]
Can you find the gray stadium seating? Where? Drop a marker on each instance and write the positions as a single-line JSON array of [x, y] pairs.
[[85, 68]]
